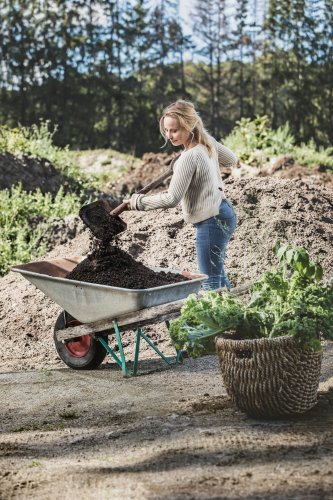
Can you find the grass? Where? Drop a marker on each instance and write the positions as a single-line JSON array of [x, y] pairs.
[[45, 371], [37, 141], [22, 236], [311, 156], [26, 218], [36, 463]]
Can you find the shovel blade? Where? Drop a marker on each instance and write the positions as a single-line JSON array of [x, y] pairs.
[[97, 217]]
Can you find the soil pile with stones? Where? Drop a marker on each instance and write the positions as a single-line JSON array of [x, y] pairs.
[[281, 167], [268, 210]]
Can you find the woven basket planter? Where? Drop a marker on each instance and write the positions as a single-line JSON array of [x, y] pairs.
[[269, 377]]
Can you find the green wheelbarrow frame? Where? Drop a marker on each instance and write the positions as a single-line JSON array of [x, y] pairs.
[[121, 361]]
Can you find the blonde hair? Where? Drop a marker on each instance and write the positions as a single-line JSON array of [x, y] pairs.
[[188, 119]]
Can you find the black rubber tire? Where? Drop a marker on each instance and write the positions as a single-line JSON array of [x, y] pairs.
[[89, 361]]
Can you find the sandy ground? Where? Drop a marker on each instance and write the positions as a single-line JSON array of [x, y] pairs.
[[169, 433]]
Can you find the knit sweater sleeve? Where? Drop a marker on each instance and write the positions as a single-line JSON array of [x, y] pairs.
[[226, 157], [184, 169]]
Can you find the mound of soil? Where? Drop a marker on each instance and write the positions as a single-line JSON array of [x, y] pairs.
[[271, 210], [109, 265], [153, 165], [32, 173], [60, 232], [268, 210], [285, 167]]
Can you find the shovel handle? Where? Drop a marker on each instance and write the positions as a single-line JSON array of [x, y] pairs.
[[152, 185]]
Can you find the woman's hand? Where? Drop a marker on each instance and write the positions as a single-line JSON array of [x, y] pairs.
[[128, 203]]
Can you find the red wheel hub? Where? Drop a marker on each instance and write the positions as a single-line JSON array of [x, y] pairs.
[[79, 346]]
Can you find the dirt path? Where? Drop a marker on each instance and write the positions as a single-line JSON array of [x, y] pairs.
[[171, 433]]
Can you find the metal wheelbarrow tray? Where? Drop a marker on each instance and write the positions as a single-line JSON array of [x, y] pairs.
[[90, 302]]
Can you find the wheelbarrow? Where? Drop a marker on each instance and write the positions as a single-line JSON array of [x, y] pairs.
[[93, 312]]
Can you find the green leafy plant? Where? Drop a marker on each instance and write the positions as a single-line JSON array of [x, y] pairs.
[[21, 235], [312, 156], [290, 299], [38, 141], [254, 141]]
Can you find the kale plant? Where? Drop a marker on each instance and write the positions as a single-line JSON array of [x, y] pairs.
[[290, 299]]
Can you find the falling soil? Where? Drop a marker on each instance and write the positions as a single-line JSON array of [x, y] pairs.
[[109, 265], [97, 218]]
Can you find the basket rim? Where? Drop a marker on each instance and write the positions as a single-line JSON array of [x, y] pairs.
[[261, 342]]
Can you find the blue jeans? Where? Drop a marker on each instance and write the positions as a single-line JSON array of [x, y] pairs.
[[212, 237]]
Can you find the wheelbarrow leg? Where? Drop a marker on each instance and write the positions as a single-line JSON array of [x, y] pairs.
[[156, 349], [110, 351], [137, 349], [124, 368]]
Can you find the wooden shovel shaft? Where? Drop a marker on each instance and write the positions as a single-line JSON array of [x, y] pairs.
[[152, 185]]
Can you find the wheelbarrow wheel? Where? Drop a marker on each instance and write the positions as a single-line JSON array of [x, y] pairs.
[[80, 353]]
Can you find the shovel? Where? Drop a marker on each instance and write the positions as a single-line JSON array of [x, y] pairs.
[[104, 222]]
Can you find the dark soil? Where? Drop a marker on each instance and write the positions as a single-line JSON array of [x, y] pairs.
[[109, 265], [97, 218]]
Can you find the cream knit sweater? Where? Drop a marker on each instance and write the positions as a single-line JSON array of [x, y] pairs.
[[196, 183]]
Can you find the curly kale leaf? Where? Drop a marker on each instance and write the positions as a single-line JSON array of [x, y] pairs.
[[206, 316]]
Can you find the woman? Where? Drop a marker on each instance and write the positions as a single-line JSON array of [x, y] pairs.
[[196, 183]]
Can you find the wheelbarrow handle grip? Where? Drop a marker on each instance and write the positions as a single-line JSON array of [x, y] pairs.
[[152, 185]]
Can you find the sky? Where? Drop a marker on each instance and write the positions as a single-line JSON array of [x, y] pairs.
[[184, 10], [186, 6]]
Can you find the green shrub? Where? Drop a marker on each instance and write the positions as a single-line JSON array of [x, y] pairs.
[[255, 142], [20, 235], [291, 299], [37, 141], [310, 156]]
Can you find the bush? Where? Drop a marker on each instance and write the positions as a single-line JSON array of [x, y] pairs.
[[20, 212], [310, 156], [255, 142], [37, 141]]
